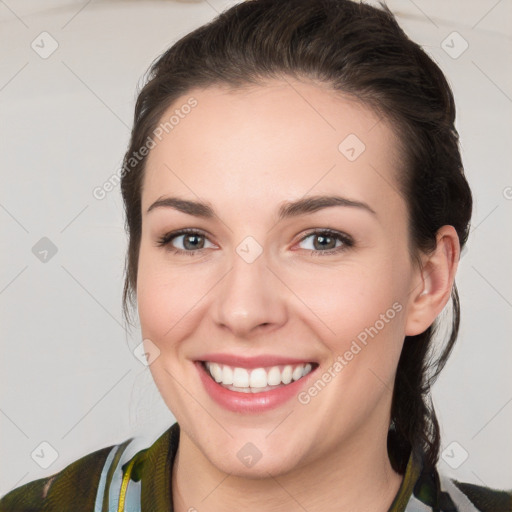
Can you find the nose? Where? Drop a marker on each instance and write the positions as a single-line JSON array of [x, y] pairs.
[[250, 299]]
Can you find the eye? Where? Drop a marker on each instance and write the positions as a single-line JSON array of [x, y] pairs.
[[326, 240], [191, 239]]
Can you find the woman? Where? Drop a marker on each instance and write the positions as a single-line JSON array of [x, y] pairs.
[[296, 207]]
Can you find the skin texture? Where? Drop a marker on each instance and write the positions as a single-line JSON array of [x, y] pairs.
[[246, 152]]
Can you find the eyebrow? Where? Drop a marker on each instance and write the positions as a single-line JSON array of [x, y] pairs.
[[288, 209]]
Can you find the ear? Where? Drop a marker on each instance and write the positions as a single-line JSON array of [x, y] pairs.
[[434, 282]]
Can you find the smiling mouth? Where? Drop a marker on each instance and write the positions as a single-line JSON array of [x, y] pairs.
[[256, 380]]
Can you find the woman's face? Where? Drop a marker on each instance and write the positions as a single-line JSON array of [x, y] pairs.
[[253, 287]]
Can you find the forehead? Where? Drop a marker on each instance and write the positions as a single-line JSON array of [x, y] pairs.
[[264, 144]]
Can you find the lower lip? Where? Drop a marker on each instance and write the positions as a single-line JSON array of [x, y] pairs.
[[250, 402]]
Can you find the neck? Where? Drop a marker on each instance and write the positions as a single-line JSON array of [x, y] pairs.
[[354, 478]]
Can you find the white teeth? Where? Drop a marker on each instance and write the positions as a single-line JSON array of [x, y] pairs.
[[216, 372], [286, 376], [227, 375], [257, 379], [297, 373], [274, 376], [306, 370], [240, 378]]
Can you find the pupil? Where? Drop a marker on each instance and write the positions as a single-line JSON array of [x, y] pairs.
[[324, 238], [187, 240]]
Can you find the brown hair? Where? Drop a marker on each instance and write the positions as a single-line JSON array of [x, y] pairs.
[[361, 51]]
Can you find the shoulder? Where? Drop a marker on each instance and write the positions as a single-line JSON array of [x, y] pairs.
[[473, 497], [485, 499], [434, 490], [75, 487], [107, 479]]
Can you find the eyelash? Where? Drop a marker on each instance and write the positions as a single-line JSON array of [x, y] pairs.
[[348, 242]]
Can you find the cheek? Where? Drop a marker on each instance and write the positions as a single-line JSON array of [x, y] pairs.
[[160, 304], [362, 308], [354, 297]]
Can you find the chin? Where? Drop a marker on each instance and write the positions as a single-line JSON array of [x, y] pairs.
[[245, 460]]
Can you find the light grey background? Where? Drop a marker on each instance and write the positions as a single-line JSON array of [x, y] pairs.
[[68, 374]]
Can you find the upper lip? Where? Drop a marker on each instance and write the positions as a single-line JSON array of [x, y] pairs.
[[252, 362]]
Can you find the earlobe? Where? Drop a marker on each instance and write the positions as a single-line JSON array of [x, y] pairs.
[[437, 278]]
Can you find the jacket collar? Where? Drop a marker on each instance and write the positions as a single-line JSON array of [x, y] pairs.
[[158, 460]]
